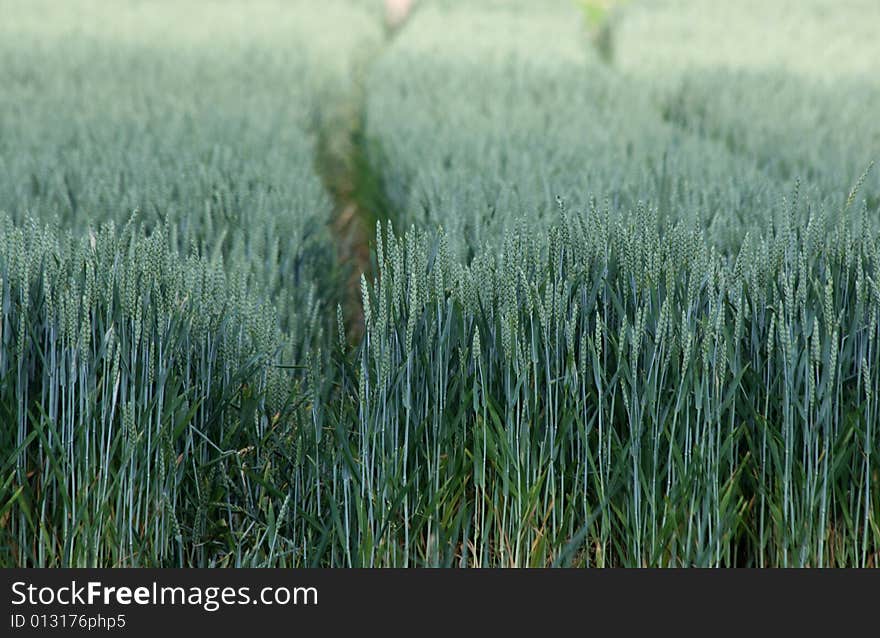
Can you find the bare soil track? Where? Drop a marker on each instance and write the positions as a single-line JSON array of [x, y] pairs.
[[355, 184]]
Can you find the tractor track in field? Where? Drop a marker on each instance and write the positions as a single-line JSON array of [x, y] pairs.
[[355, 182]]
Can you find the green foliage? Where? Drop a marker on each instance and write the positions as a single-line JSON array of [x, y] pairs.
[[178, 114], [599, 16], [476, 137], [624, 387], [786, 85], [618, 316], [125, 367]]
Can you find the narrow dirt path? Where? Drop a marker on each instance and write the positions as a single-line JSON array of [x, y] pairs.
[[336, 165], [356, 185]]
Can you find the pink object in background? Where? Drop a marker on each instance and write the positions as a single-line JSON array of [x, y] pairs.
[[396, 12]]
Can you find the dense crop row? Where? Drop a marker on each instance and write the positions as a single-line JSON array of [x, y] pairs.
[[118, 359], [691, 383], [137, 364], [474, 137], [176, 114], [623, 309]]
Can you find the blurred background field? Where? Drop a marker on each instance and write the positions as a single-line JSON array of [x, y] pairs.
[[494, 283]]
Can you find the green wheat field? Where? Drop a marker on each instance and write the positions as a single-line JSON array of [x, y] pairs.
[[549, 283]]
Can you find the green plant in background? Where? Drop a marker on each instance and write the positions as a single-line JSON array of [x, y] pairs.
[[195, 125], [599, 16], [766, 81], [209, 135], [621, 395], [534, 119]]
